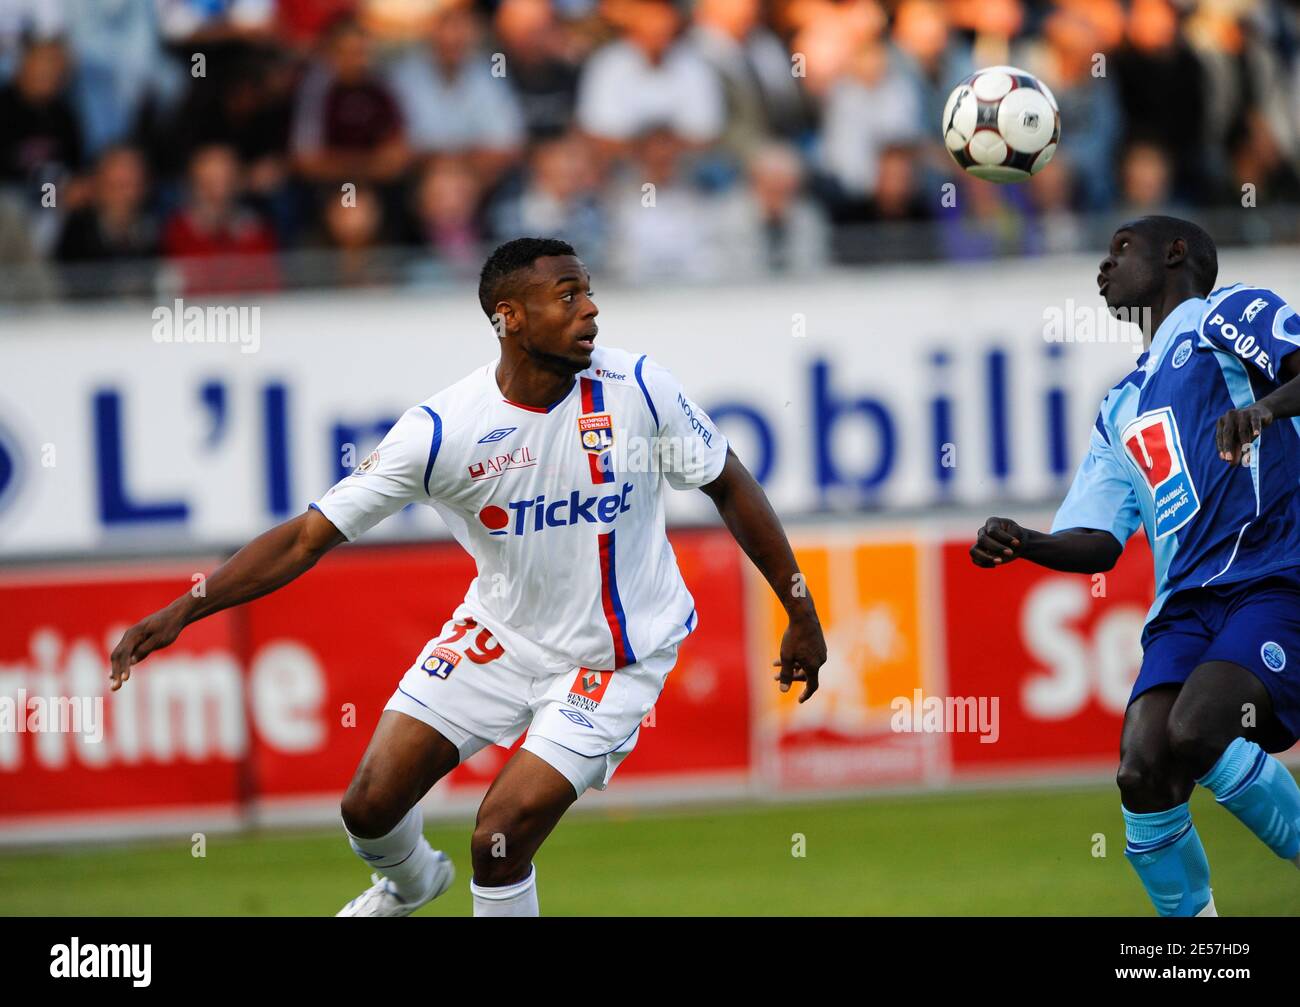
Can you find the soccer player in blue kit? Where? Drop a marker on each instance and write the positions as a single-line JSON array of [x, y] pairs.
[[1199, 446]]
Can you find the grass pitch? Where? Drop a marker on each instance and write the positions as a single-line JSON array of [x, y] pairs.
[[1022, 852]]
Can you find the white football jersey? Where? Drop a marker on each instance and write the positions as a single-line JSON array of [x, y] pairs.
[[562, 508]]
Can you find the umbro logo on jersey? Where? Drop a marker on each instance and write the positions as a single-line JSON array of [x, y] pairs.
[[500, 434], [490, 468], [576, 717], [573, 509]]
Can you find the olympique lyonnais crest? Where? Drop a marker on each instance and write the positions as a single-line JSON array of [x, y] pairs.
[[596, 432], [441, 662]]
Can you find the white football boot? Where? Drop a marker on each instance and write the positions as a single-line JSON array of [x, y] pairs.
[[381, 900]]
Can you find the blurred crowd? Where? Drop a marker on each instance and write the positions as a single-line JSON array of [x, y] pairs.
[[206, 146]]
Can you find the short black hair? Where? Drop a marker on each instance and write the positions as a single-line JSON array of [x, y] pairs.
[[1202, 255], [501, 270]]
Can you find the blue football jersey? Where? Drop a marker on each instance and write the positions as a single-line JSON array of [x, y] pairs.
[[1152, 459]]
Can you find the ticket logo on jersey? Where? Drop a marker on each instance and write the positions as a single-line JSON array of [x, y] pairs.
[[588, 687], [441, 662], [1153, 445], [539, 513]]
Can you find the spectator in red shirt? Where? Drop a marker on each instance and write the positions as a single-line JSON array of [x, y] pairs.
[[218, 245], [347, 126]]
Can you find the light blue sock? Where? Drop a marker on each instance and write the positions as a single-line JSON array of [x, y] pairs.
[[1257, 788], [1166, 852]]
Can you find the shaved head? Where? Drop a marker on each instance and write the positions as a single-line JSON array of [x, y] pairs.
[[1202, 259]]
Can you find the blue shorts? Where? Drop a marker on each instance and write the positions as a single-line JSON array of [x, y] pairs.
[[1255, 625]]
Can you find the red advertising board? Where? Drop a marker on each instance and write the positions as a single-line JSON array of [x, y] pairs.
[[266, 709], [273, 703], [175, 740], [1059, 652]]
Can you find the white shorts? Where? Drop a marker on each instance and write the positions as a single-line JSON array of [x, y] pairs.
[[581, 722]]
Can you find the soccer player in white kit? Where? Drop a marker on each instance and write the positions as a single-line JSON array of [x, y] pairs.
[[549, 466]]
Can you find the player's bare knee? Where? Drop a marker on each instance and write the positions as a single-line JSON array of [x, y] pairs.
[[1146, 784], [1133, 779], [368, 812], [500, 851]]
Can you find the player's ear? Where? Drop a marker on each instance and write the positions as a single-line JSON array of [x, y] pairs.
[[505, 319], [1176, 252]]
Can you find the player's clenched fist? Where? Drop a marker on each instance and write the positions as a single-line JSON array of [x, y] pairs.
[[1237, 429], [153, 633], [997, 543]]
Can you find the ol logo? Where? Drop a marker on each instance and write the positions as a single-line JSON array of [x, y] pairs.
[[1182, 354], [1273, 656], [441, 662], [596, 432]]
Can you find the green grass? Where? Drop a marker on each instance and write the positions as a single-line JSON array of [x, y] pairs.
[[972, 853]]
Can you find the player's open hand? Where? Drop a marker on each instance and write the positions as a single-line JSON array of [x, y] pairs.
[[1237, 429], [997, 543], [154, 633], [803, 652]]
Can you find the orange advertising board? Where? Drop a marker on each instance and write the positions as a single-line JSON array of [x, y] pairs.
[[868, 597]]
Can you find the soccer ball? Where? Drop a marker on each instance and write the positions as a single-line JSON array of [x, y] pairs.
[[1001, 124]]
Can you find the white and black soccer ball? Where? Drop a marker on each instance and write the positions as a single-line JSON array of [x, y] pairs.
[[1001, 124]]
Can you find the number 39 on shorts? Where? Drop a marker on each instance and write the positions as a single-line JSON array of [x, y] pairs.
[[442, 660]]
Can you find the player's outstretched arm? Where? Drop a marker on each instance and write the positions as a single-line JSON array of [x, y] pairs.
[[749, 517], [268, 562], [1072, 550]]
